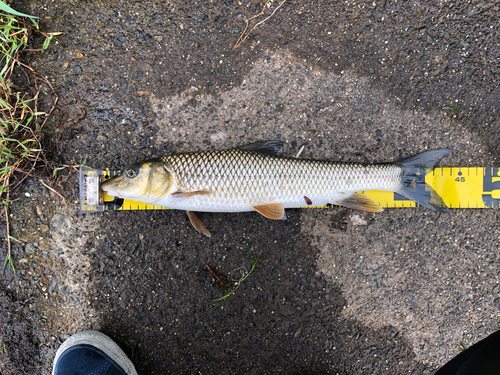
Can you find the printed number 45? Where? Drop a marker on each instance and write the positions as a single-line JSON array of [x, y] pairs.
[[460, 179]]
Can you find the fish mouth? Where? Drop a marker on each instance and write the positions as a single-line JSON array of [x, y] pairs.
[[111, 192]]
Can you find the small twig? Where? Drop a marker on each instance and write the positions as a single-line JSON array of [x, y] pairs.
[[7, 228], [51, 189], [222, 285], [17, 185], [272, 14], [300, 152], [243, 37]]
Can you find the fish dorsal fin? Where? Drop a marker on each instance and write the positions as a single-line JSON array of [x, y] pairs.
[[272, 148], [197, 224], [360, 201], [184, 195], [274, 211]]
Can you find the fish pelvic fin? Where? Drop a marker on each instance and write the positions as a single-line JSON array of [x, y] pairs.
[[413, 181], [274, 211], [360, 201], [197, 224]]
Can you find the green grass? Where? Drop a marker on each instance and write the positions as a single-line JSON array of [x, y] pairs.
[[20, 121], [129, 345], [450, 107], [237, 283]]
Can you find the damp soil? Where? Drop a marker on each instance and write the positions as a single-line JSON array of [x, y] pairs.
[[352, 81]]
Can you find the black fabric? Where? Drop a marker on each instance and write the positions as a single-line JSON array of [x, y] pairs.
[[483, 358], [86, 360]]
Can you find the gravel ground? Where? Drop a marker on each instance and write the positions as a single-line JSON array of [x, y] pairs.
[[334, 290]]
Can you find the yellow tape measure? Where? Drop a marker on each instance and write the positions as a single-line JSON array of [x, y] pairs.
[[459, 187]]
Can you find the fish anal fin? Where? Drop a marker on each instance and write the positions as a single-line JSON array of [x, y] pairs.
[[184, 195], [197, 224], [274, 211], [360, 201]]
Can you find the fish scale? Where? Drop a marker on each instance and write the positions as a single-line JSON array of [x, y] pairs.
[[239, 180]]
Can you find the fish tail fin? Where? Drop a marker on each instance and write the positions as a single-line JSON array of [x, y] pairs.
[[413, 181]]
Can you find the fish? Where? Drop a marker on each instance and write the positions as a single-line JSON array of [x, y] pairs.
[[256, 177]]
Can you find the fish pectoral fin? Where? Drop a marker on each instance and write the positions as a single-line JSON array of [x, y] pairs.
[[360, 201], [197, 224], [184, 195], [274, 211]]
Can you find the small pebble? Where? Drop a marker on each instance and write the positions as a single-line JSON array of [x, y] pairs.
[[64, 336], [52, 286], [30, 248], [78, 69], [357, 220], [58, 251], [496, 302]]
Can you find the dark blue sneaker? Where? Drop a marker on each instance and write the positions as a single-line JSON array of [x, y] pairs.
[[91, 352]]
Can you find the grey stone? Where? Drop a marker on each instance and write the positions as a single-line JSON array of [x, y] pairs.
[[496, 302], [58, 251], [413, 302], [30, 248], [64, 336], [63, 288], [52, 286], [57, 221]]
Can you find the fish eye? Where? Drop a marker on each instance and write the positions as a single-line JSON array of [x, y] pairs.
[[131, 173]]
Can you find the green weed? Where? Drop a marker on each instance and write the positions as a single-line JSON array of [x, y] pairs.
[[8, 259], [54, 171], [244, 274], [448, 107], [20, 120], [128, 344], [7, 9]]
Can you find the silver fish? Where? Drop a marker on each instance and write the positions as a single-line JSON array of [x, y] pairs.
[[256, 178]]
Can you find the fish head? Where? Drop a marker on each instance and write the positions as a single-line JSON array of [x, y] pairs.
[[143, 182]]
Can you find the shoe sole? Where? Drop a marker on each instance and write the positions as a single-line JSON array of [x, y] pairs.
[[101, 342]]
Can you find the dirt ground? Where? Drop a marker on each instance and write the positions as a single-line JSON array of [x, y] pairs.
[[351, 81]]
